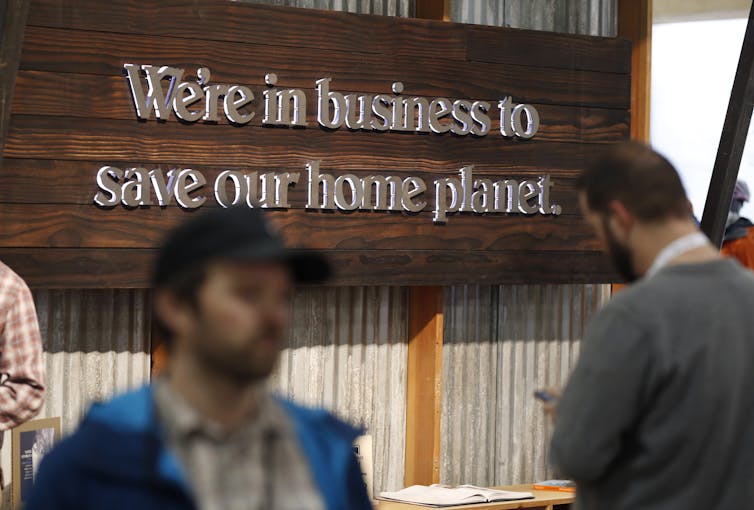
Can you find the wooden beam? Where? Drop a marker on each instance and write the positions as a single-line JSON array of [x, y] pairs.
[[424, 364], [635, 24], [13, 15], [732, 141], [433, 9], [424, 385]]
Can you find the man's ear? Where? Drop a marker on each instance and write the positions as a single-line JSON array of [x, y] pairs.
[[175, 313], [620, 215]]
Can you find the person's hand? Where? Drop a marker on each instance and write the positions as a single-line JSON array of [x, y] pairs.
[[549, 399]]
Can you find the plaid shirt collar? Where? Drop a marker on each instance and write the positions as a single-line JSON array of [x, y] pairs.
[[183, 422]]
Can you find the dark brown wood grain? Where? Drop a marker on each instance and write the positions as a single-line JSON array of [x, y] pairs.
[[606, 54], [71, 226], [72, 114], [207, 144], [105, 53], [12, 21], [219, 20], [130, 268]]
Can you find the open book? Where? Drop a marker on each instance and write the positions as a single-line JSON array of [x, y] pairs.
[[441, 495]]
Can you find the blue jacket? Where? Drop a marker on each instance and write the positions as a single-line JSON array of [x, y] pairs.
[[117, 460]]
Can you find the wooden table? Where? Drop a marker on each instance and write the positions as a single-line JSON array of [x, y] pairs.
[[543, 500]]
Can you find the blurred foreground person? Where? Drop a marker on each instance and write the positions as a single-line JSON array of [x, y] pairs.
[[206, 435], [658, 412], [738, 239]]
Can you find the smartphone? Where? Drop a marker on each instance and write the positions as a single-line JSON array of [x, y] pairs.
[[544, 396]]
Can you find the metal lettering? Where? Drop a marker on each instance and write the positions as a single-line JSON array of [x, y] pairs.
[[526, 191], [381, 111], [324, 98], [380, 185], [328, 183], [462, 114], [441, 198], [270, 97], [357, 192], [231, 104], [282, 182], [136, 192], [399, 118], [467, 187], [260, 196], [544, 197], [163, 191], [483, 198], [413, 186], [186, 182], [181, 101], [155, 98], [107, 181], [417, 114], [363, 110], [288, 107], [212, 94], [483, 124], [439, 108], [284, 100], [532, 122], [506, 129], [240, 188], [506, 195]]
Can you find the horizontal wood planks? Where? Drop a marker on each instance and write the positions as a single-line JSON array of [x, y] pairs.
[[73, 114]]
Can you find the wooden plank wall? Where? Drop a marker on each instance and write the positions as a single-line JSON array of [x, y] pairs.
[[72, 114]]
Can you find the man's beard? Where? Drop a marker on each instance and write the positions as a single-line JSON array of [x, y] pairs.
[[245, 364], [620, 256]]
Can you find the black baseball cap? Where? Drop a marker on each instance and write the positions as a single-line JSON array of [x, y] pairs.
[[237, 233]]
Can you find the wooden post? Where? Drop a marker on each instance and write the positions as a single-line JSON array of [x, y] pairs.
[[635, 23], [424, 387], [433, 9], [424, 371], [732, 141]]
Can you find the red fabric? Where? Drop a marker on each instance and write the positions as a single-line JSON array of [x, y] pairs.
[[741, 248]]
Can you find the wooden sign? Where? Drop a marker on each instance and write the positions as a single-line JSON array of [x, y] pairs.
[[411, 152]]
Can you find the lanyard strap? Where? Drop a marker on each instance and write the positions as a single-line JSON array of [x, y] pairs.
[[678, 247]]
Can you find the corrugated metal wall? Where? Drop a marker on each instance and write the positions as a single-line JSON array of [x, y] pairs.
[[587, 17], [96, 344], [348, 353], [502, 343], [403, 8]]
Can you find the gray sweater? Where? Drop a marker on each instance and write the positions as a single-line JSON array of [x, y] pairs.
[[659, 410]]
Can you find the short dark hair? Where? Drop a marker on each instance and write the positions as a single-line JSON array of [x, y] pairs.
[[641, 179], [185, 286]]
